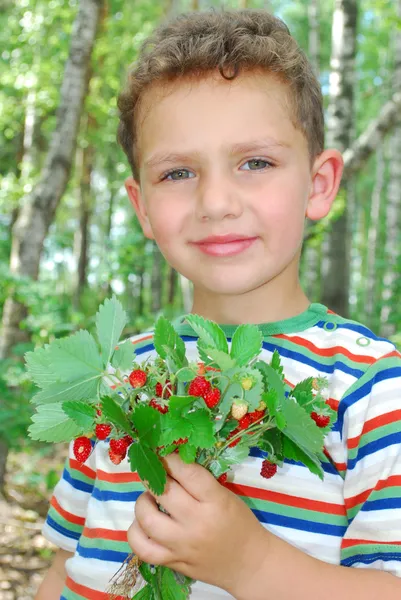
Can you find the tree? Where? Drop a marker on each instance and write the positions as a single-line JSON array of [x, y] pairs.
[[37, 211], [339, 127]]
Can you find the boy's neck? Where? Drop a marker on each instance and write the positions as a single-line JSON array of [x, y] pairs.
[[262, 305]]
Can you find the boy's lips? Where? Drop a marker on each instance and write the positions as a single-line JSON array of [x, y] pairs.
[[225, 245]]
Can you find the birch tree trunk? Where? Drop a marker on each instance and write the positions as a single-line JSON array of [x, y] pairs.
[[393, 208], [336, 276], [38, 210]]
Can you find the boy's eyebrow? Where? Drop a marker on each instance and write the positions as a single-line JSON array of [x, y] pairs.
[[241, 147]]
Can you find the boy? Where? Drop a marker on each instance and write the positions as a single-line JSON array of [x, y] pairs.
[[222, 125]]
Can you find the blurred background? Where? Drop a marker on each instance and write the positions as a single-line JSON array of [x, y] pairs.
[[68, 237]]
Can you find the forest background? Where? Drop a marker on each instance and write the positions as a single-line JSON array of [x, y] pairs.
[[68, 237]]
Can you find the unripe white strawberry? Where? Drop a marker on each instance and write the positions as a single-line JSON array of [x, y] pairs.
[[261, 405], [239, 409]]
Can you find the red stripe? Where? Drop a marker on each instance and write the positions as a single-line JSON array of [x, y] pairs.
[[380, 421], [339, 466], [332, 351], [74, 464], [297, 502], [118, 477], [393, 481], [65, 514], [106, 534], [89, 593], [349, 543], [143, 339]]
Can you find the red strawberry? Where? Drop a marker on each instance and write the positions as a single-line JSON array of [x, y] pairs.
[[167, 390], [320, 420], [181, 441], [128, 440], [231, 434], [256, 415], [82, 448], [268, 469], [157, 406], [115, 457], [245, 422], [118, 446], [102, 431], [199, 387], [137, 378], [212, 397], [222, 479]]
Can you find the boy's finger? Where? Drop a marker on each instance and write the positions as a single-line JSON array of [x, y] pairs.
[[194, 478], [145, 548]]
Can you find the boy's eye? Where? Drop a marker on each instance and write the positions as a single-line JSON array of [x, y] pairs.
[[176, 175], [256, 164]]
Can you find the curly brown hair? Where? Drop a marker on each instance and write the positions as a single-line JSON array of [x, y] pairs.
[[199, 43]]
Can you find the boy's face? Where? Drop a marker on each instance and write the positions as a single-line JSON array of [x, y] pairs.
[[260, 191]]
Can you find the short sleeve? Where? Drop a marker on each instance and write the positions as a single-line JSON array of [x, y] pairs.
[[68, 505], [372, 486]]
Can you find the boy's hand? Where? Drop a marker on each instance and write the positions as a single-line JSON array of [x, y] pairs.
[[209, 533]]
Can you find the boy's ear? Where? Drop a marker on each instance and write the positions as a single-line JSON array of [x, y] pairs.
[[326, 177], [136, 198]]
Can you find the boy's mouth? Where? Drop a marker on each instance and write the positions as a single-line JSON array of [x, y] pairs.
[[225, 245]]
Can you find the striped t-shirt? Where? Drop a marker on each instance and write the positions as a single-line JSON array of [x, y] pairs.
[[351, 518]]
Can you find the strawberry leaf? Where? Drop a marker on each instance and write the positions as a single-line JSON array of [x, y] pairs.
[[202, 429], [81, 389], [300, 428], [76, 356], [246, 344], [187, 453], [294, 452], [123, 356], [222, 359], [144, 593], [147, 422], [149, 467], [51, 424], [115, 414], [111, 319], [210, 334], [180, 404], [171, 589], [38, 366], [82, 413], [164, 336], [173, 428], [275, 363]]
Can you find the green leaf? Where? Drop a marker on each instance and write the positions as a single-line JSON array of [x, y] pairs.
[[186, 374], [275, 363], [111, 319], [38, 366], [235, 455], [82, 389], [144, 593], [123, 356], [304, 386], [174, 363], [280, 421], [82, 413], [115, 414], [272, 438], [180, 404], [174, 428], [202, 429], [246, 344], [227, 427], [164, 335], [170, 588], [146, 573], [76, 356], [149, 467], [221, 359], [210, 334], [187, 453], [294, 452], [300, 428], [180, 349], [51, 424], [147, 422]]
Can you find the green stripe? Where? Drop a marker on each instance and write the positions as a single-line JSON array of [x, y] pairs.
[[70, 595], [103, 544], [297, 513], [126, 486], [381, 364], [371, 549], [390, 492], [61, 521], [374, 435], [75, 474]]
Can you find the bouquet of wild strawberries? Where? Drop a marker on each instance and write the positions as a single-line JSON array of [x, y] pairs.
[[212, 411]]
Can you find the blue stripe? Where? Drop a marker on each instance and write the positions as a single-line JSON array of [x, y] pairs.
[[77, 483], [375, 446], [301, 358], [364, 390], [357, 327], [74, 535], [105, 495], [106, 555], [300, 524], [369, 558], [382, 504], [326, 466]]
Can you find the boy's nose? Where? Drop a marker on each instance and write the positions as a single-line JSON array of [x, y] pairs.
[[218, 199]]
